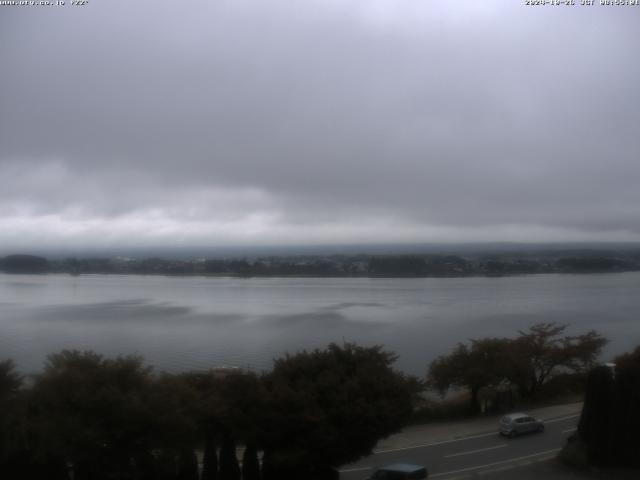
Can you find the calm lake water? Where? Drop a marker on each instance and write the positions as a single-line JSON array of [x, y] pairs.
[[180, 323]]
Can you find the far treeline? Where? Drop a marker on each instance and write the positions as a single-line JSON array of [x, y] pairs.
[[87, 417], [339, 265]]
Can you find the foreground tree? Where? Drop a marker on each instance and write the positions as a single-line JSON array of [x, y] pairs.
[[626, 419], [18, 456], [93, 412], [608, 428], [528, 361], [11, 415], [174, 405], [542, 351], [595, 426], [330, 407], [188, 464], [250, 463], [229, 412], [210, 458], [473, 367], [229, 467]]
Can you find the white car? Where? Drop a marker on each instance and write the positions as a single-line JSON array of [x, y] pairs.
[[518, 423]]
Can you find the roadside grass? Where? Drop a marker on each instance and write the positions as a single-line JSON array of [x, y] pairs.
[[432, 409]]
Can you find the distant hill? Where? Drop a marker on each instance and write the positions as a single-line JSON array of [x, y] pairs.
[[24, 264], [556, 249], [398, 264]]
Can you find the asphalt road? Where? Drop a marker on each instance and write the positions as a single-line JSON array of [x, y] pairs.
[[482, 453]]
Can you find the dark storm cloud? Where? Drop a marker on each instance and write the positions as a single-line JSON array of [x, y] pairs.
[[218, 122]]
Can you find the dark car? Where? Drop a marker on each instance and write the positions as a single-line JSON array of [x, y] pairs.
[[400, 471], [519, 423]]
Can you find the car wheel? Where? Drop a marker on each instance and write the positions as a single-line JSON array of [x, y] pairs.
[[541, 429]]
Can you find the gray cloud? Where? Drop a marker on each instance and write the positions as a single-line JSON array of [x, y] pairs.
[[319, 121]]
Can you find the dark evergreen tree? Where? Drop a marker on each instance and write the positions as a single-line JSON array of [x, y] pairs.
[[11, 413], [267, 468], [610, 418], [145, 466], [594, 427], [187, 464], [210, 458], [626, 415], [49, 467], [250, 463], [229, 467], [166, 465]]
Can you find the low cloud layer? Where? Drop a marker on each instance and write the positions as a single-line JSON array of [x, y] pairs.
[[251, 122]]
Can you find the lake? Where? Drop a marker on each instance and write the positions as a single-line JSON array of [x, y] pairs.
[[182, 323]]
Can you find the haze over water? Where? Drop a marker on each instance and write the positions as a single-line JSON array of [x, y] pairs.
[[183, 323]]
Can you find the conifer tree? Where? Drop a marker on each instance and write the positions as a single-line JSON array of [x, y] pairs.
[[229, 468], [250, 463]]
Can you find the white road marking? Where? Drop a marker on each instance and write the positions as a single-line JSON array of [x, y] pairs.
[[511, 460], [570, 430], [475, 451], [562, 418], [438, 443]]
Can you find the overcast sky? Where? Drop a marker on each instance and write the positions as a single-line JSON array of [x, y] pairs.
[[208, 123]]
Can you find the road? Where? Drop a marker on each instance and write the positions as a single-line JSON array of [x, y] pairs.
[[481, 454]]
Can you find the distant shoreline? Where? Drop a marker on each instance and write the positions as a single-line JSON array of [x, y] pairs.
[[337, 266], [237, 276]]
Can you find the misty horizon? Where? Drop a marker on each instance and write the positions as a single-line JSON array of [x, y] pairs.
[[470, 249]]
